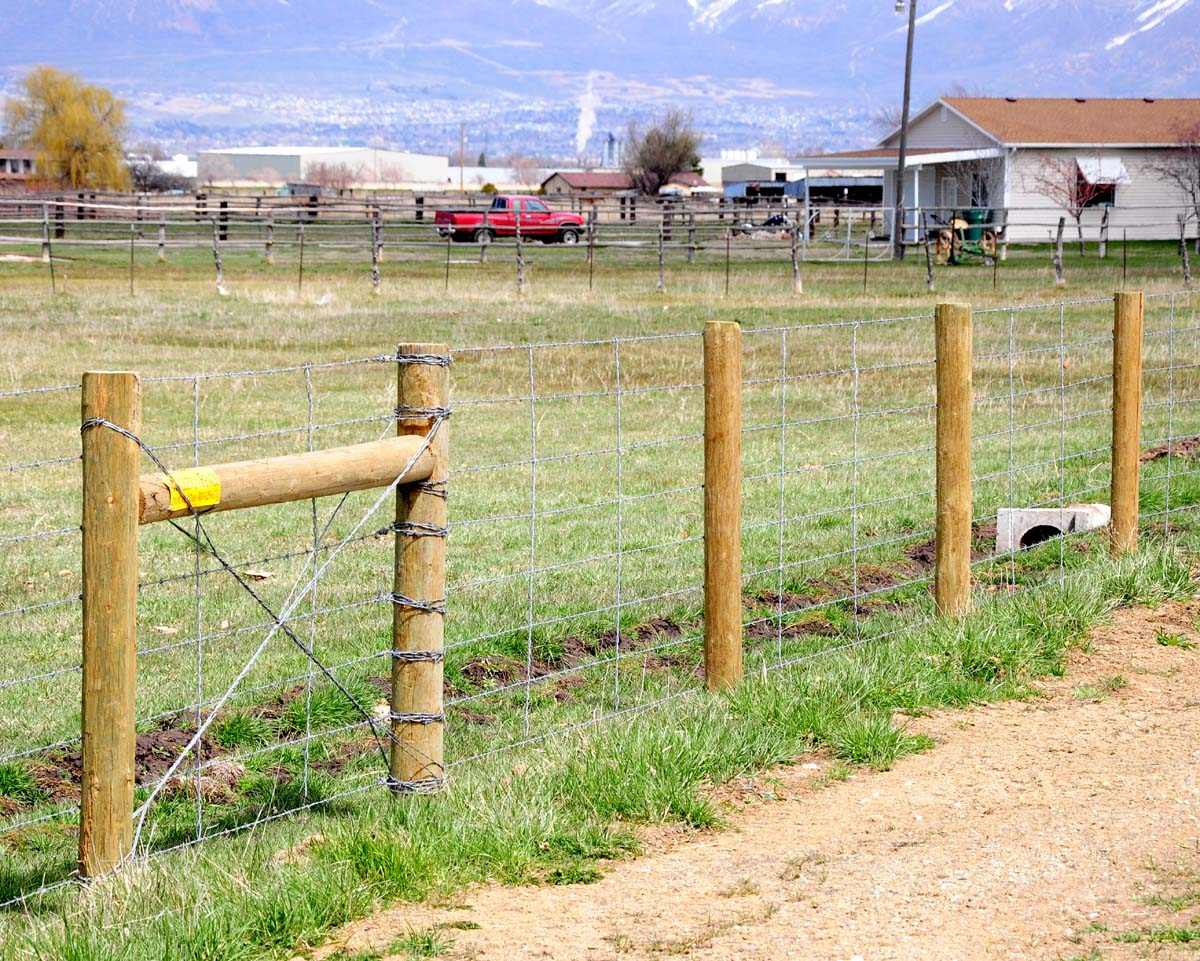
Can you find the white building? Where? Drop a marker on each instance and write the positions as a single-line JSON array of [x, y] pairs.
[[365, 167], [1006, 154]]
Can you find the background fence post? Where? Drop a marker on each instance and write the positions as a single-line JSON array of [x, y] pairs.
[[111, 467], [722, 504], [1127, 420], [417, 761], [952, 579]]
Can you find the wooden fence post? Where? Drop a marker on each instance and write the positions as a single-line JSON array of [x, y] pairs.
[[797, 282], [111, 469], [722, 504], [1127, 420], [662, 277], [162, 236], [520, 260], [418, 623], [1059, 279], [952, 579]]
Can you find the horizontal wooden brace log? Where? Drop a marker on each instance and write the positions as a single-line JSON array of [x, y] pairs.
[[292, 477]]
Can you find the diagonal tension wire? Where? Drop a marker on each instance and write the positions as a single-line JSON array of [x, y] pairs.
[[279, 621]]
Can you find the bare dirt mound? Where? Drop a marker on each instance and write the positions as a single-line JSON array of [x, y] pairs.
[[1062, 827]]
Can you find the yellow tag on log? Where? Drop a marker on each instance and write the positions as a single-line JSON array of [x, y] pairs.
[[200, 484]]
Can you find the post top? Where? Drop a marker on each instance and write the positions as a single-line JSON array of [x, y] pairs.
[[422, 349]]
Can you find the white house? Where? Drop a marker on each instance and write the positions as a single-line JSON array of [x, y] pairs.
[[1015, 157]]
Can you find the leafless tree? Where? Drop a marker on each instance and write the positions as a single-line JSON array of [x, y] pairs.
[[979, 181], [1182, 168], [669, 146], [338, 176], [216, 168], [1060, 180], [526, 170], [886, 119]]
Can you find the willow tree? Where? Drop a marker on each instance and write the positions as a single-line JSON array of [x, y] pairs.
[[76, 128]]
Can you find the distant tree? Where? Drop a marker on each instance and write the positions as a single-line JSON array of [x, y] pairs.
[[482, 160], [1060, 180], [886, 119], [526, 170], [77, 129], [1182, 168], [215, 168], [146, 176], [669, 146], [339, 176], [979, 181]]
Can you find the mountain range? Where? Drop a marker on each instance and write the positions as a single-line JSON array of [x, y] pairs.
[[553, 76]]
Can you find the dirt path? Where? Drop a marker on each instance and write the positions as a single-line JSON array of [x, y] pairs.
[[1028, 823]]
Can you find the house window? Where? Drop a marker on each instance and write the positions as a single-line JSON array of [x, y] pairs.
[[1100, 195], [1096, 180], [781, 176]]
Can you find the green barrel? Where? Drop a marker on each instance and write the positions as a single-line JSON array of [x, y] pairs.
[[975, 219]]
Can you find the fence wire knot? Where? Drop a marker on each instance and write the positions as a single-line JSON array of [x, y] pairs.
[[427, 785], [417, 529], [408, 412], [416, 717], [430, 606], [427, 360], [433, 488], [412, 657]]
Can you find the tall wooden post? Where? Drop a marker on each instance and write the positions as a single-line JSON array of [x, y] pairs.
[[722, 504], [797, 282], [520, 260], [111, 468], [375, 254], [420, 577], [952, 579], [45, 234], [1059, 279], [162, 235], [662, 269], [1127, 420], [270, 251]]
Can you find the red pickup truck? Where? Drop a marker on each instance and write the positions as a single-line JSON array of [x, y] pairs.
[[537, 221]]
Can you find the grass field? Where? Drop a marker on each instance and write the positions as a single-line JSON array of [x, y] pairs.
[[576, 549]]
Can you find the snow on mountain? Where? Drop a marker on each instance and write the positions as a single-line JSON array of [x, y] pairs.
[[732, 59]]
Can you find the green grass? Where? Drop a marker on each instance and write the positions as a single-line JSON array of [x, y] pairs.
[[549, 813], [579, 797]]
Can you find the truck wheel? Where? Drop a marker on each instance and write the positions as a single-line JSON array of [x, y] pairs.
[[484, 235], [568, 236]]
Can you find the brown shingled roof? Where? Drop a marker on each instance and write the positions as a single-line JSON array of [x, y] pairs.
[[1047, 120], [598, 181]]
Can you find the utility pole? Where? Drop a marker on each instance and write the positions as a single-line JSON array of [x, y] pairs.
[[462, 153], [898, 225]]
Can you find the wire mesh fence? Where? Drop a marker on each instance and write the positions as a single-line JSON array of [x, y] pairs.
[[90, 234], [575, 577]]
